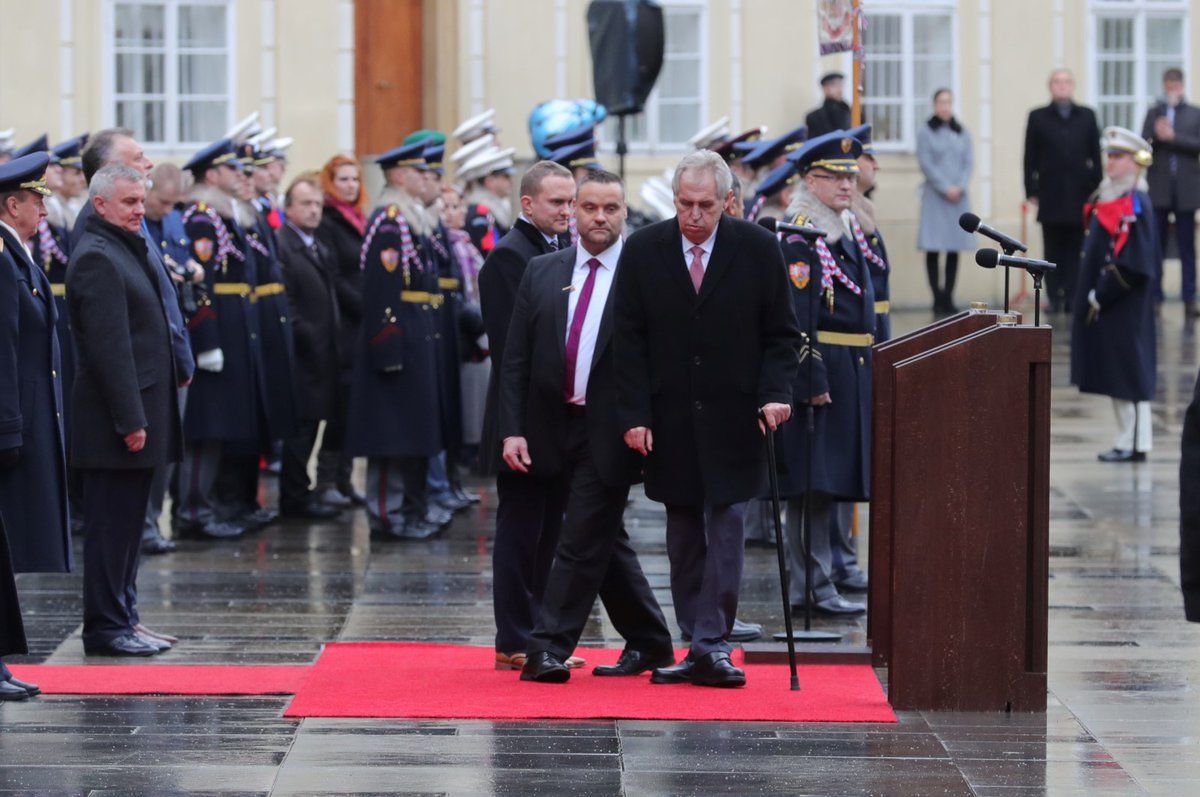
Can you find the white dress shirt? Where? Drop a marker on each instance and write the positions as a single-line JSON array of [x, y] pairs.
[[707, 246], [551, 240], [595, 311], [306, 238], [15, 234]]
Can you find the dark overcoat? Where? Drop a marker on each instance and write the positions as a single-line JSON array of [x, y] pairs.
[[226, 405], [534, 377], [450, 285], [695, 368], [344, 243], [310, 276], [12, 627], [126, 376], [51, 249], [499, 278], [1189, 509], [275, 330], [1114, 352], [33, 493], [842, 439], [394, 391], [1063, 164]]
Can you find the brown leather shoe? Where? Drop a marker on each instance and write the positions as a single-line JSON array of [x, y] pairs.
[[509, 661]]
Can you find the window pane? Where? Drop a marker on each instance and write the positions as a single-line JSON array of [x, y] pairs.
[[635, 130], [886, 120], [932, 34], [202, 74], [682, 31], [1116, 79], [202, 26], [883, 77], [139, 74], [882, 35], [1116, 35], [1164, 36], [1116, 113], [928, 77], [677, 122], [145, 119], [201, 121], [680, 78], [138, 25]]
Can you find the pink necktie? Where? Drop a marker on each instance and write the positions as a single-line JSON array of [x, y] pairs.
[[696, 269], [581, 308]]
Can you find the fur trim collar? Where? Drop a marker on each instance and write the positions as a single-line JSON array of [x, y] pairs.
[[816, 212]]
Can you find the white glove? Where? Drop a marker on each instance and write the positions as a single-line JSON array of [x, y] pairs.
[[212, 360], [1093, 301]]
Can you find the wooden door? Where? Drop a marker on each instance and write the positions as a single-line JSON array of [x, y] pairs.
[[387, 73]]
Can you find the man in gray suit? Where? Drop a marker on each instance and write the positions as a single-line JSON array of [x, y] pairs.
[[1173, 129]]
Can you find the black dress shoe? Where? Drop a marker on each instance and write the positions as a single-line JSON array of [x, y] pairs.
[[126, 645], [680, 673], [837, 606], [159, 645], [1119, 455], [450, 502], [31, 689], [635, 662], [256, 519], [311, 509], [742, 632], [463, 495], [348, 491], [854, 582], [217, 530], [157, 545], [545, 668], [144, 631], [716, 669], [10, 691], [438, 516], [331, 497]]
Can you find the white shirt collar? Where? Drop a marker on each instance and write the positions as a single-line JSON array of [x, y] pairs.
[[15, 234], [707, 246], [307, 238], [608, 258], [550, 239]]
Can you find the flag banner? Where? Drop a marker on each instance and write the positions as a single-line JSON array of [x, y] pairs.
[[835, 26]]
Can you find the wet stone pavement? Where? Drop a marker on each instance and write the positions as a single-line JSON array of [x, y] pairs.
[[1123, 716]]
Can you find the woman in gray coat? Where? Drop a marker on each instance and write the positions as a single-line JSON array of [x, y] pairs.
[[944, 152]]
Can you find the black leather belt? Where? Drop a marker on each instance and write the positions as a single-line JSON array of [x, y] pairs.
[[576, 410]]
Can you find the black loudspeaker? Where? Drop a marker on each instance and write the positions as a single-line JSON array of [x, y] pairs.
[[627, 41]]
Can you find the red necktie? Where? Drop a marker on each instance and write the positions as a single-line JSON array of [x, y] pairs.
[[581, 308], [696, 269]]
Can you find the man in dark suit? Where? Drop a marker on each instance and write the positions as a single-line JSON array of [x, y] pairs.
[[309, 274], [559, 424], [528, 516], [705, 341], [833, 113], [1173, 129], [125, 402], [1062, 169], [1189, 509]]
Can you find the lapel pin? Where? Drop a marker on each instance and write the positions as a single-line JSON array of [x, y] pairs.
[[568, 289]]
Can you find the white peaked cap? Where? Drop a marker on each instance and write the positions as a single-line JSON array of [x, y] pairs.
[[715, 133], [468, 151], [244, 128], [476, 126], [260, 139], [281, 144], [657, 196], [485, 163]]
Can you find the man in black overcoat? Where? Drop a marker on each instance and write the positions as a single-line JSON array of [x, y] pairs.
[[558, 417], [705, 340], [834, 112], [528, 516], [1189, 510], [125, 402], [1062, 169]]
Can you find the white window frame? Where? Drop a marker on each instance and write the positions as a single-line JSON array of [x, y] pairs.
[[652, 144], [171, 146], [910, 122], [1139, 11]]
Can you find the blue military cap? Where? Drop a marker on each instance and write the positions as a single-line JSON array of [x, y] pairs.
[[434, 155], [580, 155], [778, 178], [70, 152], [837, 151], [569, 138], [412, 154], [26, 173], [863, 134], [734, 148], [39, 144], [215, 154], [767, 150]]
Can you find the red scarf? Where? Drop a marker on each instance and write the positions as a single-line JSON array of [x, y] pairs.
[[349, 212], [1115, 217]]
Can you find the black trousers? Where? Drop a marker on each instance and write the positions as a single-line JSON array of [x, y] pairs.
[[529, 515], [1063, 244], [334, 466], [114, 509], [236, 489], [294, 489], [594, 558]]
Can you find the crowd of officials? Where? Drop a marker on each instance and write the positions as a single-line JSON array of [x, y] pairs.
[[181, 331]]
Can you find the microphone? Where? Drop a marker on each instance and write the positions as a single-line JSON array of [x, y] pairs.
[[990, 258], [810, 234], [971, 223]]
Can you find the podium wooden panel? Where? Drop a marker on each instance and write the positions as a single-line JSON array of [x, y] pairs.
[[959, 615]]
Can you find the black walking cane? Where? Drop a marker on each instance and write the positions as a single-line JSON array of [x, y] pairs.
[[783, 574]]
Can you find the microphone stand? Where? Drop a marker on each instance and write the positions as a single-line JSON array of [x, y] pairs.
[[1011, 251], [1037, 296]]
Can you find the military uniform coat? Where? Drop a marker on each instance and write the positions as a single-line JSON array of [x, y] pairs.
[[275, 330], [877, 263], [12, 627], [51, 249], [395, 401], [33, 493], [126, 378], [224, 406], [450, 285], [1114, 352], [695, 368]]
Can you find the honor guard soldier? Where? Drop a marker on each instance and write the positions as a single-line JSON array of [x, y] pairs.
[[7, 148], [867, 235], [1112, 336], [733, 149], [33, 469], [487, 178], [774, 193], [225, 410], [762, 156], [395, 396], [833, 298], [73, 192]]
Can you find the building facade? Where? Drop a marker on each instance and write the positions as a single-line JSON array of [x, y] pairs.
[[356, 75]]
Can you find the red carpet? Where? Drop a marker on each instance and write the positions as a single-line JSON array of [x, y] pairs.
[[375, 679], [162, 679]]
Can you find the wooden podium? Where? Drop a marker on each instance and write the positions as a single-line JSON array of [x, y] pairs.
[[960, 514]]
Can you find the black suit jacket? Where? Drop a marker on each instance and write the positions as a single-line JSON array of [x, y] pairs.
[[316, 323], [829, 116], [1183, 192], [125, 372], [532, 381], [1062, 162], [696, 368], [499, 278]]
